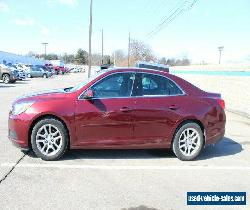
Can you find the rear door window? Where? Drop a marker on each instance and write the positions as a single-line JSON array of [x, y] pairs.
[[155, 85]]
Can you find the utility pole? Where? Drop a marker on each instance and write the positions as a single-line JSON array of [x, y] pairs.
[[90, 35], [114, 59], [128, 49], [45, 48], [221, 48], [102, 45]]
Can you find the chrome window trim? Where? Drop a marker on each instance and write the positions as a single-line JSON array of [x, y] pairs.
[[144, 96]]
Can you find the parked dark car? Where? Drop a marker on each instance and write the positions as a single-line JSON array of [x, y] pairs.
[[7, 74], [21, 75], [154, 66], [47, 68], [106, 66], [119, 109], [37, 71]]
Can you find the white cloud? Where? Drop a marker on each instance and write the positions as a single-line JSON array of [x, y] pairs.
[[4, 7], [44, 30], [70, 3], [24, 21]]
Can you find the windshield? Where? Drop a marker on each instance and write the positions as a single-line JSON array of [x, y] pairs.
[[86, 81]]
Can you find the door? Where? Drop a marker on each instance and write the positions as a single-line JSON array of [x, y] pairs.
[[106, 119], [157, 109], [39, 72], [34, 72]]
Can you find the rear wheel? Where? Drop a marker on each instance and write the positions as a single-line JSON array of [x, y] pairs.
[[45, 76], [29, 75], [188, 141], [6, 78], [49, 139]]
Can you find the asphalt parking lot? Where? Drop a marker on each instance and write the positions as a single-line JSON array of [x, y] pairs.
[[117, 179]]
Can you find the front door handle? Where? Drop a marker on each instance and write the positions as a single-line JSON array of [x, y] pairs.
[[125, 109], [173, 107]]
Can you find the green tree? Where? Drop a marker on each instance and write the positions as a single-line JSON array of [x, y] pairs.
[[81, 57]]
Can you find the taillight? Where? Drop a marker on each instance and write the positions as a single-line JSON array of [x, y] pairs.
[[221, 102]]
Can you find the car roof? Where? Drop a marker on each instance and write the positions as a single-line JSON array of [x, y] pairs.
[[186, 86], [137, 70]]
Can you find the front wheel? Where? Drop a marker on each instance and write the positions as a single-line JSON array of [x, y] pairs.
[[45, 76], [49, 139], [188, 141], [6, 78]]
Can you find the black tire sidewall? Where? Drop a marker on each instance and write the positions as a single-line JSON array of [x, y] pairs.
[[175, 145], [65, 138]]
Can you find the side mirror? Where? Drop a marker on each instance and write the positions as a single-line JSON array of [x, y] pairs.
[[89, 94]]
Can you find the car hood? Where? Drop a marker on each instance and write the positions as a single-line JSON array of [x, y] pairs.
[[54, 93]]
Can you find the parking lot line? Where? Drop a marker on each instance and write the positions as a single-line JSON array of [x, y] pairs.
[[125, 167]]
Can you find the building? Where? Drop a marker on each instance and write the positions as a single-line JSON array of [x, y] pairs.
[[6, 57]]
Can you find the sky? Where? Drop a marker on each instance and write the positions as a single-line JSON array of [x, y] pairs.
[[195, 33]]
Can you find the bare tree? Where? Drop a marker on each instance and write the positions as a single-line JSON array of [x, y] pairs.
[[139, 51], [119, 58]]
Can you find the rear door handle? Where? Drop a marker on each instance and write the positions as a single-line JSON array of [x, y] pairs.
[[173, 107], [125, 109]]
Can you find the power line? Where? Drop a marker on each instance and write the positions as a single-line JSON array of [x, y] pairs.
[[178, 6], [175, 12], [174, 15]]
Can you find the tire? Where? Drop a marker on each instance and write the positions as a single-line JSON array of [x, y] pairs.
[[44, 143], [188, 141], [29, 75], [12, 81], [6, 78], [45, 76]]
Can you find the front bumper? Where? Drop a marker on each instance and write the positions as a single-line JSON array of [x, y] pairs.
[[13, 77], [18, 131], [21, 76]]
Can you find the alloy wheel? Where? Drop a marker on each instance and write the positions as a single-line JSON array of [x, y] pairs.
[[189, 141], [49, 140]]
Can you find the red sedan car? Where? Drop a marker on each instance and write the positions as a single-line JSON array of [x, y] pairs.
[[119, 109]]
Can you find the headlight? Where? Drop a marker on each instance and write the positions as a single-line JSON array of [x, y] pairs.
[[19, 108]]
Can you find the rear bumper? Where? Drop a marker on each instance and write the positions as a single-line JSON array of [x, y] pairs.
[[216, 138]]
